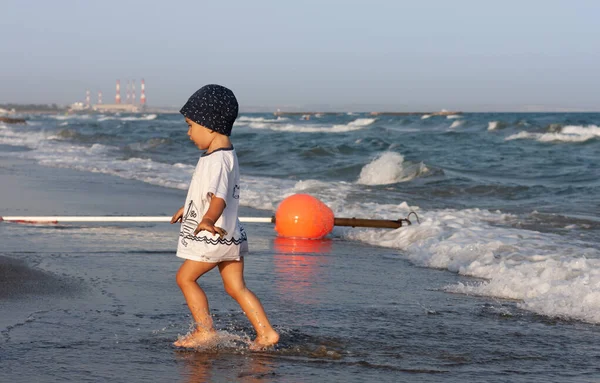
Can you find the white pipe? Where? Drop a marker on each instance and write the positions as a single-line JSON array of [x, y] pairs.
[[57, 219]]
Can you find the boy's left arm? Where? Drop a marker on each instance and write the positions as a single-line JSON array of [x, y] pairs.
[[215, 209]]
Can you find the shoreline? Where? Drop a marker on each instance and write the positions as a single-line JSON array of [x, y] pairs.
[[28, 188]]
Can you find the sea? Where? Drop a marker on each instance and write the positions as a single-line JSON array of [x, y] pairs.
[[498, 280]]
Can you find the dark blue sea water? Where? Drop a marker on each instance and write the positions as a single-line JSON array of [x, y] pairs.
[[499, 282]]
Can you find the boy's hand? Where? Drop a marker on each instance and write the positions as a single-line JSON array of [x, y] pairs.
[[177, 216], [209, 225]]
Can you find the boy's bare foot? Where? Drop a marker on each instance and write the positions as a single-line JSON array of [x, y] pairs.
[[265, 341], [195, 339]]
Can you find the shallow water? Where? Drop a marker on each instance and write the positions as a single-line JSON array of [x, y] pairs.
[[349, 313]]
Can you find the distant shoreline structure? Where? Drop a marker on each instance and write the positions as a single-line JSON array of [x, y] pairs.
[[10, 120], [117, 108], [8, 109]]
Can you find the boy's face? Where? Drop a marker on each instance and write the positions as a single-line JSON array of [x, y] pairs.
[[200, 135]]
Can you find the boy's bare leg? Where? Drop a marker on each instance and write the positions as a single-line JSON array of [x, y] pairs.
[[188, 274], [232, 273]]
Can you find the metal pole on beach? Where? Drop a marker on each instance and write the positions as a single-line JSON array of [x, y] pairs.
[[105, 219], [351, 222]]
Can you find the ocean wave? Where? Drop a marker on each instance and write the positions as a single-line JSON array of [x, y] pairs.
[[357, 124], [148, 117], [69, 116], [547, 273], [569, 133], [64, 134], [151, 143], [96, 159], [493, 125], [456, 124], [390, 168], [260, 119], [51, 150], [76, 136], [31, 140]]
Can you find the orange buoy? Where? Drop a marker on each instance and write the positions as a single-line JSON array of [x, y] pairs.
[[303, 216]]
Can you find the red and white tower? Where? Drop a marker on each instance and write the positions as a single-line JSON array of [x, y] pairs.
[[143, 93], [133, 92], [118, 96], [127, 97], [99, 97], [87, 98]]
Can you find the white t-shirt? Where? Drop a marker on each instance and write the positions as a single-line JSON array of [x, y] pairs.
[[217, 173]]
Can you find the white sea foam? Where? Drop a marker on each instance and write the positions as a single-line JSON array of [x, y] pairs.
[[545, 272], [390, 168], [357, 124], [266, 193], [521, 135], [17, 138], [456, 124], [425, 116], [242, 119], [97, 158], [492, 125], [360, 122], [570, 133], [69, 116], [453, 116], [147, 117]]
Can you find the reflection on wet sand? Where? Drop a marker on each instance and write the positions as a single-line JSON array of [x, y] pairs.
[[299, 268], [216, 366]]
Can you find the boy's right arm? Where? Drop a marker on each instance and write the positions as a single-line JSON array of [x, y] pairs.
[[177, 216]]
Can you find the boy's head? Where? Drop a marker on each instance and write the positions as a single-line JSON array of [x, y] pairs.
[[214, 107]]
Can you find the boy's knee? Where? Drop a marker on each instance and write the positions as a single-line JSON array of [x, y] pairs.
[[181, 279], [234, 289]]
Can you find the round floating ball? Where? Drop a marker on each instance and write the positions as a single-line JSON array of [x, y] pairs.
[[303, 216]]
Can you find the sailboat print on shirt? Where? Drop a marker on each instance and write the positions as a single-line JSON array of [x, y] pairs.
[[190, 222]]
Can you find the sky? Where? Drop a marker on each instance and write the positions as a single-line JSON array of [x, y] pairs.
[[426, 55]]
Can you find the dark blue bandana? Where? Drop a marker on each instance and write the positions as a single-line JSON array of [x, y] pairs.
[[214, 107]]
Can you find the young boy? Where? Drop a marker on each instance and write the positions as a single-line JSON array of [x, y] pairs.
[[211, 234]]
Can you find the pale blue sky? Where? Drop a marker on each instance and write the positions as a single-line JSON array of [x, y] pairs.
[[404, 55]]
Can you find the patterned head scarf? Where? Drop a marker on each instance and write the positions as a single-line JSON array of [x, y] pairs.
[[214, 107]]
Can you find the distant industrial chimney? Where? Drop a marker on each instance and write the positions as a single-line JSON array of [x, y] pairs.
[[143, 95], [118, 96], [133, 92], [99, 97], [127, 92], [87, 98]]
